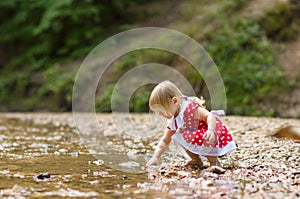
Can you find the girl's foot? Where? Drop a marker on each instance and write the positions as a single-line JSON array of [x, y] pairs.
[[213, 161], [195, 159], [194, 162]]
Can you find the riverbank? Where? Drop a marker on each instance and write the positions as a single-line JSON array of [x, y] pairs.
[[31, 144]]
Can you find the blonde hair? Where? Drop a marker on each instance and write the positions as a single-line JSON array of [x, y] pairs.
[[163, 93]]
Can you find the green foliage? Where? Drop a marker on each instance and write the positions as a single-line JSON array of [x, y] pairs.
[[139, 57], [39, 34], [103, 101], [233, 5], [45, 30], [247, 64], [139, 101], [58, 85], [280, 23], [13, 85]]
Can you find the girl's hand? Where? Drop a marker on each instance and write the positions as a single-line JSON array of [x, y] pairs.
[[153, 161], [209, 137]]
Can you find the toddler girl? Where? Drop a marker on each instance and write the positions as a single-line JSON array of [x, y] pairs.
[[196, 131]]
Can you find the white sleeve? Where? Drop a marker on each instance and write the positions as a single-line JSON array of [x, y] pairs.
[[171, 125], [218, 112]]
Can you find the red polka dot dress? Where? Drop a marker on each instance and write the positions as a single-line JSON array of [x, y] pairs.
[[190, 131]]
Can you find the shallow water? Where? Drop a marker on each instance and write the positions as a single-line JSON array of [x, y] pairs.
[[29, 148]]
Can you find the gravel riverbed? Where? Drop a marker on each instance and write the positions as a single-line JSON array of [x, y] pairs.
[[42, 155]]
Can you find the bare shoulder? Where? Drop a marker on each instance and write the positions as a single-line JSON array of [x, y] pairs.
[[201, 113]]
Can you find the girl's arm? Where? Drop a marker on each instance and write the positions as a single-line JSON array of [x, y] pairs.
[[161, 147], [205, 115]]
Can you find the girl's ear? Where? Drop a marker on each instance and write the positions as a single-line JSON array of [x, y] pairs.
[[175, 100]]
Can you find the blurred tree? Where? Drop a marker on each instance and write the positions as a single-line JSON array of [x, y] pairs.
[[43, 30], [36, 35]]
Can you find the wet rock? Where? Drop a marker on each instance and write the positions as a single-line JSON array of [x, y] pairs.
[[57, 137], [152, 176], [71, 193], [219, 195], [94, 182], [103, 173], [146, 185], [251, 188], [291, 132], [38, 145], [170, 174], [129, 164], [18, 188], [132, 154], [217, 170], [126, 186], [63, 151], [83, 176], [16, 191], [17, 175], [98, 162], [42, 176], [128, 143], [74, 154]]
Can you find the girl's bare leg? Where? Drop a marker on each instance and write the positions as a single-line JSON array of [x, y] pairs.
[[213, 161], [195, 159]]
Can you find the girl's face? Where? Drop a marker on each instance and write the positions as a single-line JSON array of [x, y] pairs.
[[172, 110]]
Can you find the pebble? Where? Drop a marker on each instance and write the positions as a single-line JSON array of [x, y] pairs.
[[42, 176], [98, 162], [129, 164], [71, 193], [74, 154], [146, 185], [128, 143], [218, 170], [63, 151]]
